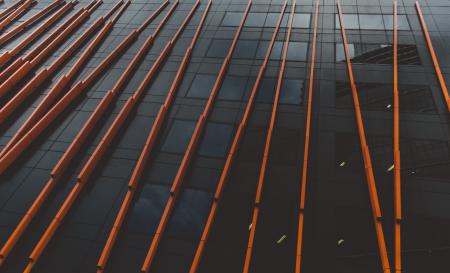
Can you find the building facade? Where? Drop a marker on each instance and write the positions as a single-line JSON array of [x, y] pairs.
[[176, 141]]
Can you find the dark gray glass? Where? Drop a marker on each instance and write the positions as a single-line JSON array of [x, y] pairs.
[[402, 22], [301, 20], [340, 53], [232, 19], [277, 49], [291, 91], [255, 20], [245, 49], [179, 135], [297, 51], [271, 19], [190, 213], [371, 22], [350, 21], [266, 90], [162, 83], [233, 88], [215, 140], [219, 48], [201, 86]]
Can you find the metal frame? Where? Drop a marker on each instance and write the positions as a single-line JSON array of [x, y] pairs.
[[8, 55], [10, 9], [301, 214], [33, 62], [193, 143], [42, 197], [47, 72], [148, 147], [54, 6], [263, 170], [235, 144], [75, 91], [434, 58], [373, 195], [396, 152], [16, 14], [112, 132]]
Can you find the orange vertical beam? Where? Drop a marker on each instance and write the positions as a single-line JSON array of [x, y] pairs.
[[47, 72], [98, 153], [16, 14], [236, 140], [10, 9], [22, 26], [39, 201], [118, 122], [263, 170], [23, 70], [131, 103], [433, 56], [301, 214], [5, 57], [146, 150], [397, 167], [76, 90], [176, 183], [110, 95], [376, 212]]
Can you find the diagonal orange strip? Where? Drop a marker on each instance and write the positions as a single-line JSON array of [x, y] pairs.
[[298, 259], [237, 138], [265, 158], [374, 202], [396, 151], [148, 146], [434, 58], [176, 183], [40, 199]]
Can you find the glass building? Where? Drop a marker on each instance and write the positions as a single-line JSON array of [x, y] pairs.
[[225, 136]]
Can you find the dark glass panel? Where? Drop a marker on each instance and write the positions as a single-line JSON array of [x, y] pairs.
[[201, 86], [179, 135], [215, 140]]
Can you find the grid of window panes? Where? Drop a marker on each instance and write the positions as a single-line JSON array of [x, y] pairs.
[[339, 233]]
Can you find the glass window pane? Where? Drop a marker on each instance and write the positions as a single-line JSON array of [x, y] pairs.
[[255, 19], [262, 49], [233, 88], [245, 49], [215, 140], [219, 48], [266, 90], [350, 21], [162, 83], [144, 215], [416, 98], [272, 19], [190, 214], [276, 51], [291, 91], [402, 22], [201, 86], [178, 137], [340, 54], [302, 20], [297, 51], [371, 21], [232, 19]]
